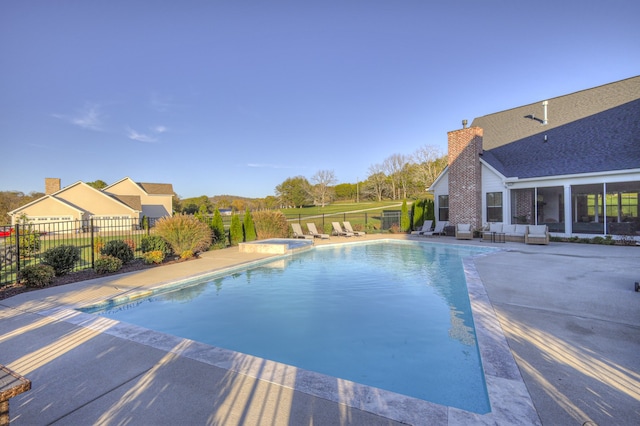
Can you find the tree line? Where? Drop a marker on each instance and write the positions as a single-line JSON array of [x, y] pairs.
[[397, 177]]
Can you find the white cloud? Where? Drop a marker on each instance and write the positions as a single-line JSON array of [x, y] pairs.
[[88, 117], [159, 129], [140, 137]]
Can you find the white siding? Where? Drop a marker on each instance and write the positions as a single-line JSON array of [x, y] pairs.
[[493, 182]]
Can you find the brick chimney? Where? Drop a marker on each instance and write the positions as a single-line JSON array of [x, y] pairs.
[[465, 178], [51, 185]]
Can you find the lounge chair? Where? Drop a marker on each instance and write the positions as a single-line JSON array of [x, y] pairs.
[[314, 231], [426, 226], [349, 228], [438, 230], [337, 230], [464, 231], [297, 231], [537, 234]]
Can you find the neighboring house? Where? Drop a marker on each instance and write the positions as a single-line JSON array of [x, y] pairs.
[[571, 162], [123, 202]]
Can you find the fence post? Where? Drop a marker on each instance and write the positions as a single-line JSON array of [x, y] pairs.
[[93, 248], [17, 247]]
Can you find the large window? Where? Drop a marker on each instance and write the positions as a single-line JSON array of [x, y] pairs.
[[621, 206], [494, 206], [588, 203], [443, 207]]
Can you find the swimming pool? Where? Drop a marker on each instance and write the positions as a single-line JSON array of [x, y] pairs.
[[395, 316]]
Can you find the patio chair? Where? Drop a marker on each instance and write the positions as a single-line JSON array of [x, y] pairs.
[[337, 230], [464, 231], [314, 231], [537, 234], [349, 228], [426, 226], [438, 230], [297, 231]]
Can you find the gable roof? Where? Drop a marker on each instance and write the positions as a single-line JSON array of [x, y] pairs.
[[157, 188], [593, 130]]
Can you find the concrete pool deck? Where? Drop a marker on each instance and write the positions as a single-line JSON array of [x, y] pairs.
[[568, 311]]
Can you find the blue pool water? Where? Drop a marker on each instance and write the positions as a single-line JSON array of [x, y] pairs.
[[394, 316]]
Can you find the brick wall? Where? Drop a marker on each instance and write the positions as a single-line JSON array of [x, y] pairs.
[[51, 185], [465, 185]]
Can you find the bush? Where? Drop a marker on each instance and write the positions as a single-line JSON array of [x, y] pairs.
[[98, 244], [235, 232], [107, 264], [271, 224], [35, 276], [155, 256], [405, 222], [184, 232], [249, 227], [118, 249], [155, 243], [217, 226], [187, 254], [29, 242], [62, 258]]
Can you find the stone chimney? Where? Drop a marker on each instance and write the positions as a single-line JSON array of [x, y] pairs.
[[51, 185], [465, 178]]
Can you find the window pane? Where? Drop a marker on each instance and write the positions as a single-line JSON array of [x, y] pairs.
[[494, 206]]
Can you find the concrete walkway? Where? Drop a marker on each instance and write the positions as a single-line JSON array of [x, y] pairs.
[[568, 311]]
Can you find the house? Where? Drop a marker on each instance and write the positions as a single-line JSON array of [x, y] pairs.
[[121, 204], [571, 162]]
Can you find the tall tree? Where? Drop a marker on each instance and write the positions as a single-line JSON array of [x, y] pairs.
[[395, 168], [322, 181], [294, 191], [97, 184], [429, 163], [377, 181]]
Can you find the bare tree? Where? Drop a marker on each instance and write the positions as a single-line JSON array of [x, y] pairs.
[[396, 166], [430, 162], [377, 180], [322, 182]]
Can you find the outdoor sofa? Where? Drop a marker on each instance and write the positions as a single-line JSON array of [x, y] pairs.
[[512, 233]]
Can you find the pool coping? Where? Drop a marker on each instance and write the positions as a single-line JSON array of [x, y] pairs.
[[508, 396]]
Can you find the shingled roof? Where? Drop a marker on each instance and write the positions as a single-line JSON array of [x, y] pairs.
[[157, 188], [594, 130]]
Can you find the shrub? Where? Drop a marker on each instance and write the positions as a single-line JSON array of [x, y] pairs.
[[98, 244], [34, 276], [107, 264], [155, 256], [154, 243], [187, 254], [29, 242], [271, 224], [184, 232], [235, 232], [217, 226], [131, 243], [118, 249], [417, 213], [62, 258], [405, 222], [249, 227]]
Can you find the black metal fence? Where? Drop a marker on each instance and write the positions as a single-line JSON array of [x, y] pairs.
[[22, 245], [361, 221]]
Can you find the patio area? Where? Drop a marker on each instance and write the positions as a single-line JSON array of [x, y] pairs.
[[568, 311]]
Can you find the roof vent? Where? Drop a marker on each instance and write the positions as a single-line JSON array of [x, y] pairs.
[[544, 104], [464, 124]]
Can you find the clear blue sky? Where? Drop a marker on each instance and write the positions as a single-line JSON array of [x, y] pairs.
[[233, 97]]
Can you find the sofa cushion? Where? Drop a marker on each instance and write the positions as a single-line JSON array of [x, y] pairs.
[[495, 227], [464, 227], [521, 229], [539, 230], [508, 229]]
